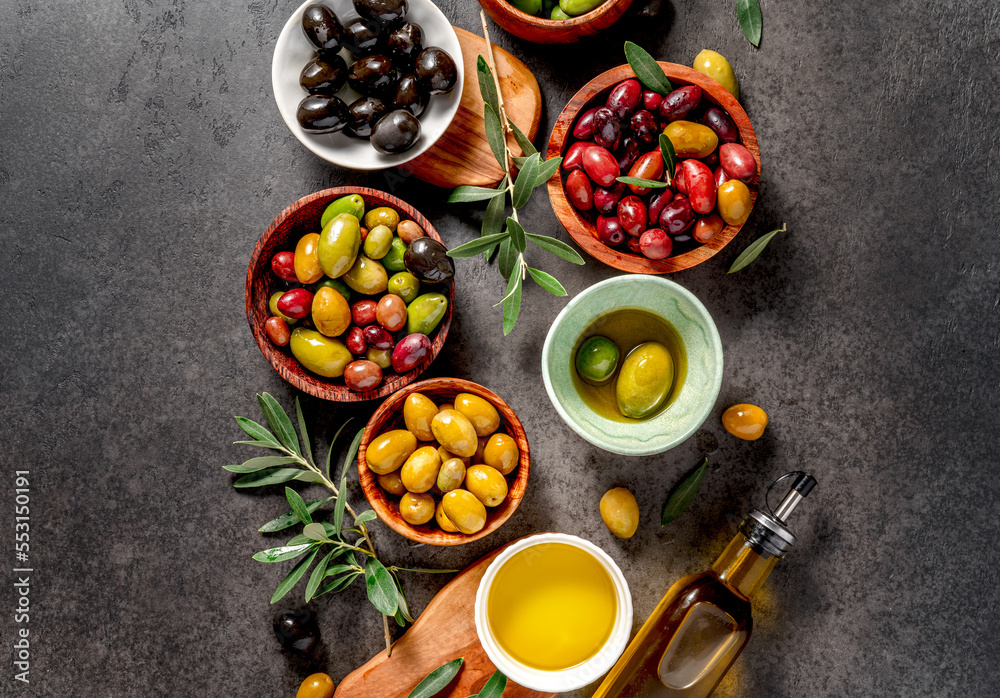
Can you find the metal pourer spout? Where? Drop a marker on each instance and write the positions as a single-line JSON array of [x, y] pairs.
[[767, 531], [801, 487]]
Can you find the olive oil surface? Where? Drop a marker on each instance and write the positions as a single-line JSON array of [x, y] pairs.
[[628, 328], [552, 606]]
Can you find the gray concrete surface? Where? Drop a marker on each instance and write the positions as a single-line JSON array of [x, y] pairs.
[[141, 155]]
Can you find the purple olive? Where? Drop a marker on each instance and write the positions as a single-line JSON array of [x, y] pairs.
[[656, 204], [628, 152], [677, 216], [680, 102], [645, 126], [377, 337], [609, 230], [607, 129], [606, 199], [411, 350], [584, 128], [625, 97], [724, 128]]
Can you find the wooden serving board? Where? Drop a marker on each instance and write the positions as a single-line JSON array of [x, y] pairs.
[[462, 155], [449, 616]]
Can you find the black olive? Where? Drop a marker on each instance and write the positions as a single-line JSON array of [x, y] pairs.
[[322, 28], [427, 259], [361, 36], [324, 75], [436, 71], [365, 113], [296, 630], [395, 132], [322, 114], [402, 41], [409, 96], [381, 11], [373, 75]]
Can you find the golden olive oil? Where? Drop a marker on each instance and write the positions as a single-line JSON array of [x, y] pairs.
[[552, 606], [628, 328]]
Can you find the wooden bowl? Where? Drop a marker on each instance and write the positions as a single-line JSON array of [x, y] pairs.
[[547, 31], [582, 230], [389, 416], [301, 218]]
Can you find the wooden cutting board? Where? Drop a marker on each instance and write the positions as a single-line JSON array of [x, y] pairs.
[[462, 155], [445, 631]]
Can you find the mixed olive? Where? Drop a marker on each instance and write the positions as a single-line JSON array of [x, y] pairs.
[[387, 65], [618, 136], [388, 326], [745, 421], [620, 512], [296, 630], [556, 9], [448, 463], [642, 380]]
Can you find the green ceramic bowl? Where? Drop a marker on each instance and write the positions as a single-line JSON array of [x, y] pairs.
[[690, 408]]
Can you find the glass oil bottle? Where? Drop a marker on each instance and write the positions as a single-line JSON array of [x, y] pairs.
[[703, 623]]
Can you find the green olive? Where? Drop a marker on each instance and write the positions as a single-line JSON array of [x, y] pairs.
[[405, 285], [335, 284], [451, 475], [339, 244], [442, 519], [645, 379], [487, 484], [575, 8], [501, 452], [480, 412], [620, 512], [426, 312], [464, 510], [418, 411], [392, 483], [352, 204], [323, 356], [393, 259], [532, 7], [558, 15], [272, 305], [388, 451], [367, 276], [419, 472], [455, 432], [383, 215], [597, 360], [382, 357], [416, 509], [377, 243]]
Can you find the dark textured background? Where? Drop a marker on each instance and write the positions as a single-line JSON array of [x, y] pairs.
[[141, 155]]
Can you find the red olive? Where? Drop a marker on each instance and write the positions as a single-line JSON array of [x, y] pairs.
[[606, 200], [363, 313], [632, 215], [677, 216], [680, 102], [609, 230], [296, 303], [700, 185], [607, 128], [720, 176], [573, 160], [411, 350], [708, 227], [377, 337], [656, 204], [579, 191], [633, 245], [584, 128], [601, 166], [656, 244], [355, 341], [645, 126], [628, 152], [712, 159], [391, 312], [625, 97], [277, 330], [679, 183], [737, 161], [283, 264], [651, 100], [648, 166], [719, 121], [362, 375]]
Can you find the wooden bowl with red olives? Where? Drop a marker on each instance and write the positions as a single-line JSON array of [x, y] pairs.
[[383, 449], [653, 231], [363, 339]]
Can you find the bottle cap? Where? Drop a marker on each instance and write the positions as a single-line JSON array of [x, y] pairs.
[[767, 531]]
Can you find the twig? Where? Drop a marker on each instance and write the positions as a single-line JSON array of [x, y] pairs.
[[504, 124]]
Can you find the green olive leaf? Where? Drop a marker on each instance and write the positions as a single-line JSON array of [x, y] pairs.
[[487, 87], [257, 432], [496, 214], [333, 442], [404, 609], [279, 422], [525, 182], [512, 303], [268, 477], [516, 235], [471, 249], [684, 493], [557, 247], [339, 584], [365, 516], [546, 169], [381, 588], [318, 575], [437, 680], [298, 506], [523, 142], [341, 504], [640, 182], [260, 463], [494, 688], [284, 552], [466, 194], [669, 158], [751, 22], [547, 281], [754, 249], [315, 531], [259, 444], [294, 576], [306, 446], [290, 519], [507, 257], [494, 136], [646, 69]]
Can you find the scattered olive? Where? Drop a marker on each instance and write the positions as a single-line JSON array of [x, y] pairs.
[[322, 114], [373, 75], [324, 75], [410, 96], [403, 40], [396, 132], [296, 630], [382, 11], [436, 70], [364, 114], [322, 28], [361, 36], [316, 686], [428, 260]]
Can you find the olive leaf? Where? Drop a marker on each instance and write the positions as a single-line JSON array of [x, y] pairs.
[[341, 504], [306, 446], [512, 302], [318, 575], [525, 182], [365, 516], [257, 432], [316, 532], [547, 281], [487, 88], [381, 588], [282, 553], [437, 680], [546, 169], [339, 584], [268, 477], [751, 22], [494, 688], [507, 256], [294, 576], [467, 194], [754, 249], [684, 493], [259, 463], [669, 158], [646, 69], [494, 217], [494, 136], [279, 422], [471, 249], [523, 142], [640, 182], [557, 247], [516, 233], [290, 519], [298, 506]]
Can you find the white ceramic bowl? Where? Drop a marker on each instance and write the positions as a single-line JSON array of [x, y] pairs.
[[567, 679], [292, 51]]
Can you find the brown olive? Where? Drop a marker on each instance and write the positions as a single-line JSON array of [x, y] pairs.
[[361, 36], [428, 260], [410, 96], [322, 114], [436, 71], [324, 75], [396, 132], [322, 28], [403, 40], [381, 11], [364, 114], [373, 75]]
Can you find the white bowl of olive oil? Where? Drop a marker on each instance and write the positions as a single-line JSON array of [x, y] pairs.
[[553, 612]]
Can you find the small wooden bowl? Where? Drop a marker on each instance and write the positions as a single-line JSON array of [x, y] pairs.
[[582, 230], [547, 31], [301, 218], [389, 416]]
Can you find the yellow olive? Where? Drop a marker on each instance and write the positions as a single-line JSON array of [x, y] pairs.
[[690, 139], [487, 484], [367, 276], [330, 312], [306, 262], [734, 202], [321, 355], [455, 432], [443, 521], [464, 510], [445, 406], [480, 412], [418, 411], [451, 475], [420, 471], [501, 452], [480, 448], [745, 422], [448, 455], [715, 66], [383, 215], [316, 686], [392, 483], [388, 451], [620, 512], [416, 509]]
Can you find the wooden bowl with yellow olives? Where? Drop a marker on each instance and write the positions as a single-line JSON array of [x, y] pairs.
[[349, 294], [444, 461]]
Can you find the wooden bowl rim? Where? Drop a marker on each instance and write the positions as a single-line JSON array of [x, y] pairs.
[[389, 411], [520, 17], [583, 232], [318, 386]]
